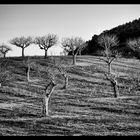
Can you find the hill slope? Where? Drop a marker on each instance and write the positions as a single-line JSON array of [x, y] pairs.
[[86, 107]]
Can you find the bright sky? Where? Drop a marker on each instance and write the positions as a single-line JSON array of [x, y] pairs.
[[82, 20]]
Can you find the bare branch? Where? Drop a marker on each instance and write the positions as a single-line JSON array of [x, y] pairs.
[[108, 42], [112, 59], [45, 42], [21, 42], [73, 44]]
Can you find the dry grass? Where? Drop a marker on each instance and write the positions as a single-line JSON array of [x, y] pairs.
[[86, 107]]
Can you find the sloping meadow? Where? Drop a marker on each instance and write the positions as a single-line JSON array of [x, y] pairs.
[[86, 107]]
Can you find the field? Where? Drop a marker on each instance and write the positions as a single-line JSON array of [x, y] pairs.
[[86, 108]]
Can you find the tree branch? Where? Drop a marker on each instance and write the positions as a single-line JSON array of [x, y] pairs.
[[113, 58], [103, 59]]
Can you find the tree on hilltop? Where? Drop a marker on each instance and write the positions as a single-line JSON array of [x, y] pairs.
[[45, 42], [74, 45], [22, 42]]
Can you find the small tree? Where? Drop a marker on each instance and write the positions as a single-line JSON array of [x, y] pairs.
[[29, 64], [58, 65], [45, 42], [4, 49], [63, 71], [73, 45], [22, 42], [48, 92], [109, 42]]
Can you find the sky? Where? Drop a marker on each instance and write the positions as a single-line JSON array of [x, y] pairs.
[[83, 20]]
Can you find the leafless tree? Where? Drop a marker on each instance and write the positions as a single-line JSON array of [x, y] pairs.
[[22, 42], [4, 49], [51, 84], [49, 88], [74, 45], [109, 42], [45, 42], [29, 64], [62, 69]]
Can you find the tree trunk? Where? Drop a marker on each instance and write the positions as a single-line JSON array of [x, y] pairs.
[[4, 55], [109, 68], [45, 110], [116, 93], [66, 81], [45, 54], [115, 89], [28, 73], [22, 52], [0, 85], [74, 59]]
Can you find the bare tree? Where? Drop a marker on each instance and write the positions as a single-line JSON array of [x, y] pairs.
[[4, 49], [73, 44], [29, 64], [45, 42], [62, 69], [22, 42], [49, 88], [108, 42]]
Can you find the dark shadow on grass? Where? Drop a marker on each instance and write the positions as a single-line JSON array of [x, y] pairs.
[[112, 110]]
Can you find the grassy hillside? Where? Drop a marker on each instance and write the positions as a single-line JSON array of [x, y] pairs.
[[86, 107]]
